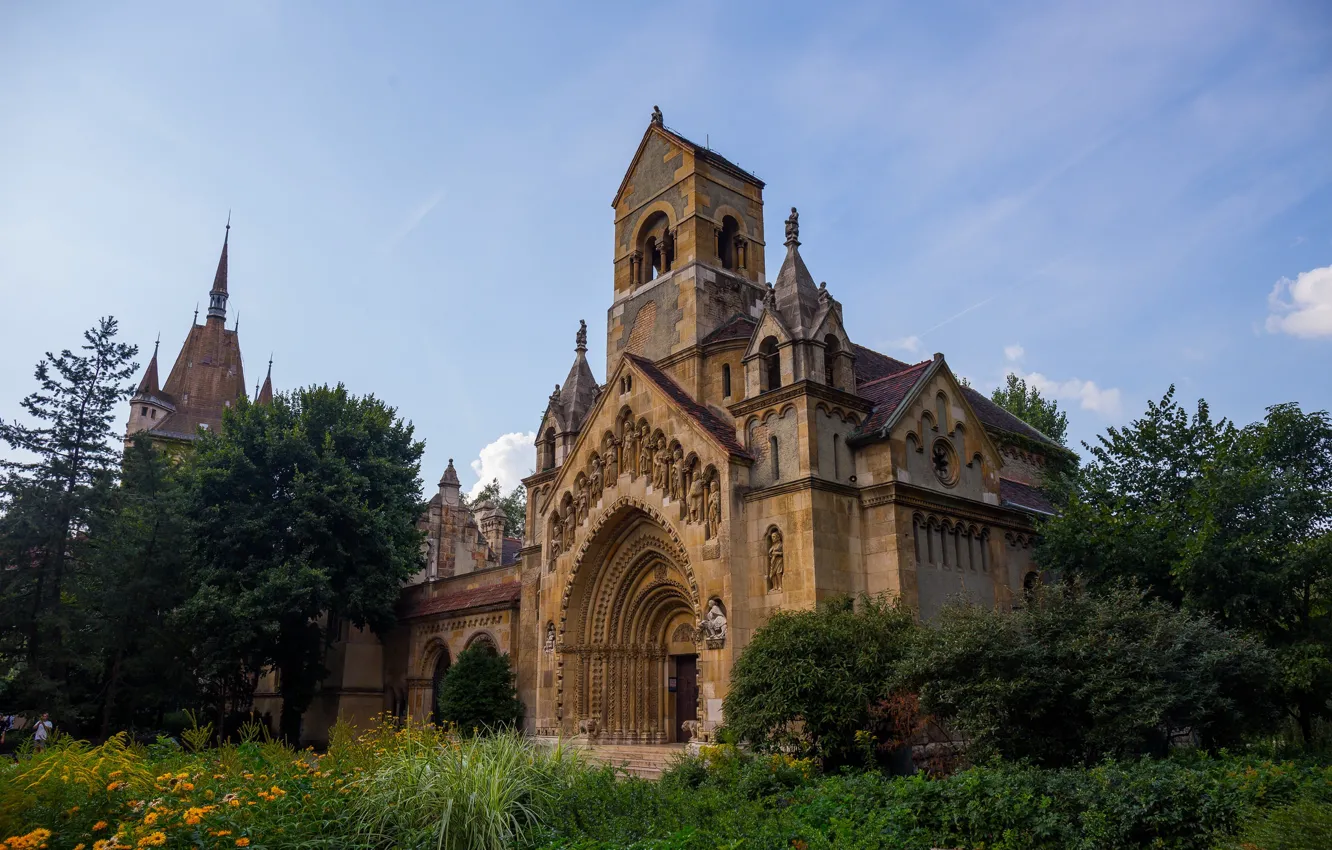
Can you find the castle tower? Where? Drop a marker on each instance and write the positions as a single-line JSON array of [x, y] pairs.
[[207, 378], [688, 248]]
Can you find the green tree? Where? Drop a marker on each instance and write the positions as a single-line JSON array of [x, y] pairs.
[[136, 579], [1026, 403], [1259, 553], [304, 517], [478, 691], [1073, 678], [49, 497], [806, 679], [514, 505], [1125, 513]]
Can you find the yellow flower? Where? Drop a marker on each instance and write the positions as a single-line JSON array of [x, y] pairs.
[[276, 791], [242, 842], [185, 786], [150, 819], [156, 839], [221, 832], [99, 826], [208, 795], [79, 846]]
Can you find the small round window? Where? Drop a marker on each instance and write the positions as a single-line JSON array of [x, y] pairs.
[[944, 458]]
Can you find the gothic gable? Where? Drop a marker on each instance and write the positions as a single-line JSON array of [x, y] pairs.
[[940, 443], [770, 325]]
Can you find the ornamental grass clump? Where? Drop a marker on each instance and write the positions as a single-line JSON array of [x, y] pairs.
[[476, 793]]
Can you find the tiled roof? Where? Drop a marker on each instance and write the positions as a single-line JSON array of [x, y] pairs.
[[738, 326], [887, 393], [511, 547], [710, 422], [477, 597], [872, 366], [1024, 496], [707, 154]]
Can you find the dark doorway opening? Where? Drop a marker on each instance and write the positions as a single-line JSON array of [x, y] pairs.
[[686, 693]]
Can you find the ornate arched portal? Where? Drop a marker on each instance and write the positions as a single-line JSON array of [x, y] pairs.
[[630, 591]]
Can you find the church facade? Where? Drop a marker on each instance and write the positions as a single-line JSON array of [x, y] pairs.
[[742, 455]]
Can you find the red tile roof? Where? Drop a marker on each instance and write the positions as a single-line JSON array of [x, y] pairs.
[[1024, 496], [462, 600], [886, 394], [709, 421]]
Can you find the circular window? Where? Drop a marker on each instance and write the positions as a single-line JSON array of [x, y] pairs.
[[944, 458]]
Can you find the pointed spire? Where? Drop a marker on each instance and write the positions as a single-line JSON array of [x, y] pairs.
[[265, 395], [196, 312], [217, 296], [149, 386], [576, 396], [796, 295]]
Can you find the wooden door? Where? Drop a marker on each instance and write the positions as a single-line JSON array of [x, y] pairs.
[[686, 693]]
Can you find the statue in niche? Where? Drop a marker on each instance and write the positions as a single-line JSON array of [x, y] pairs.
[[550, 639], [630, 448], [677, 475], [776, 560], [612, 461], [713, 526], [660, 457], [556, 535], [713, 624], [697, 496], [595, 483], [580, 501], [644, 451]]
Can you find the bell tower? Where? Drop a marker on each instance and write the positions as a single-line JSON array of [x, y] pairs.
[[688, 250]]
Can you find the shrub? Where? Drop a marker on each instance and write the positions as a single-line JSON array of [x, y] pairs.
[[1074, 678], [805, 681], [478, 691], [1305, 824]]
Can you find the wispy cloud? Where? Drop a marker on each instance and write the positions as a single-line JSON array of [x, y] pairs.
[[912, 343], [1302, 307], [1013, 353], [414, 219], [507, 458], [1107, 402]]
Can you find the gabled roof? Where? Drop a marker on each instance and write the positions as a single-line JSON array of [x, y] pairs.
[[739, 326], [710, 422], [1024, 496], [462, 600], [701, 154], [511, 547], [208, 376], [887, 394]]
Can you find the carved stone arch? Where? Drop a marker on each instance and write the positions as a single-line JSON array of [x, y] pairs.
[[720, 212], [434, 650], [646, 216], [913, 442], [927, 422], [481, 637]]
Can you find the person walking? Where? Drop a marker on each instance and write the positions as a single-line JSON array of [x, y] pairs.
[[42, 731], [6, 723]]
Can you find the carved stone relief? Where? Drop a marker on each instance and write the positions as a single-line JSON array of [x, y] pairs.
[[713, 625], [776, 559]]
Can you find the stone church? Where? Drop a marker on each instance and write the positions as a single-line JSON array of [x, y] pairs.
[[742, 455]]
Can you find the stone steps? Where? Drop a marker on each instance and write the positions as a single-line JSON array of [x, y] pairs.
[[646, 760]]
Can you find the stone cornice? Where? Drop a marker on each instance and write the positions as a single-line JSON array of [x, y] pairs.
[[800, 388], [541, 477], [909, 495], [809, 482]]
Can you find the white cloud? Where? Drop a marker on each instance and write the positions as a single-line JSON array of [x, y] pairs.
[[509, 458], [1303, 306], [1106, 402], [907, 343], [1014, 352]]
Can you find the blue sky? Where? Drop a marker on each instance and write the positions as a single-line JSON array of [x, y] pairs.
[[1109, 197]]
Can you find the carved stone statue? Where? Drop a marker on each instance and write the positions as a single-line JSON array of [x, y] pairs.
[[677, 475], [793, 227], [630, 449], [776, 560], [660, 457], [595, 482], [580, 338], [550, 639], [824, 297], [580, 501], [556, 535], [644, 451], [612, 461], [713, 624], [656, 115], [697, 496], [713, 527], [770, 299]]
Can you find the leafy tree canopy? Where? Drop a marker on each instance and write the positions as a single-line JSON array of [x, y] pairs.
[[1073, 677], [304, 518], [478, 691], [1026, 403], [806, 679]]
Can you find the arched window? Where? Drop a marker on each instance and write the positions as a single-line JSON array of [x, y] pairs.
[[548, 449], [776, 463], [726, 380], [726, 242], [837, 441], [941, 406], [772, 363], [652, 259], [830, 348]]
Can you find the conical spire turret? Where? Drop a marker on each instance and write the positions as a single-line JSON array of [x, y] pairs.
[[149, 385], [217, 296], [266, 394], [795, 293]]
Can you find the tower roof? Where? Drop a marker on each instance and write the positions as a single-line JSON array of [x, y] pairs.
[[149, 385], [266, 393], [450, 475], [797, 296], [580, 389], [217, 296]]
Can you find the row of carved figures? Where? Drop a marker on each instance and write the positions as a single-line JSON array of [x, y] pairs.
[[639, 452]]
